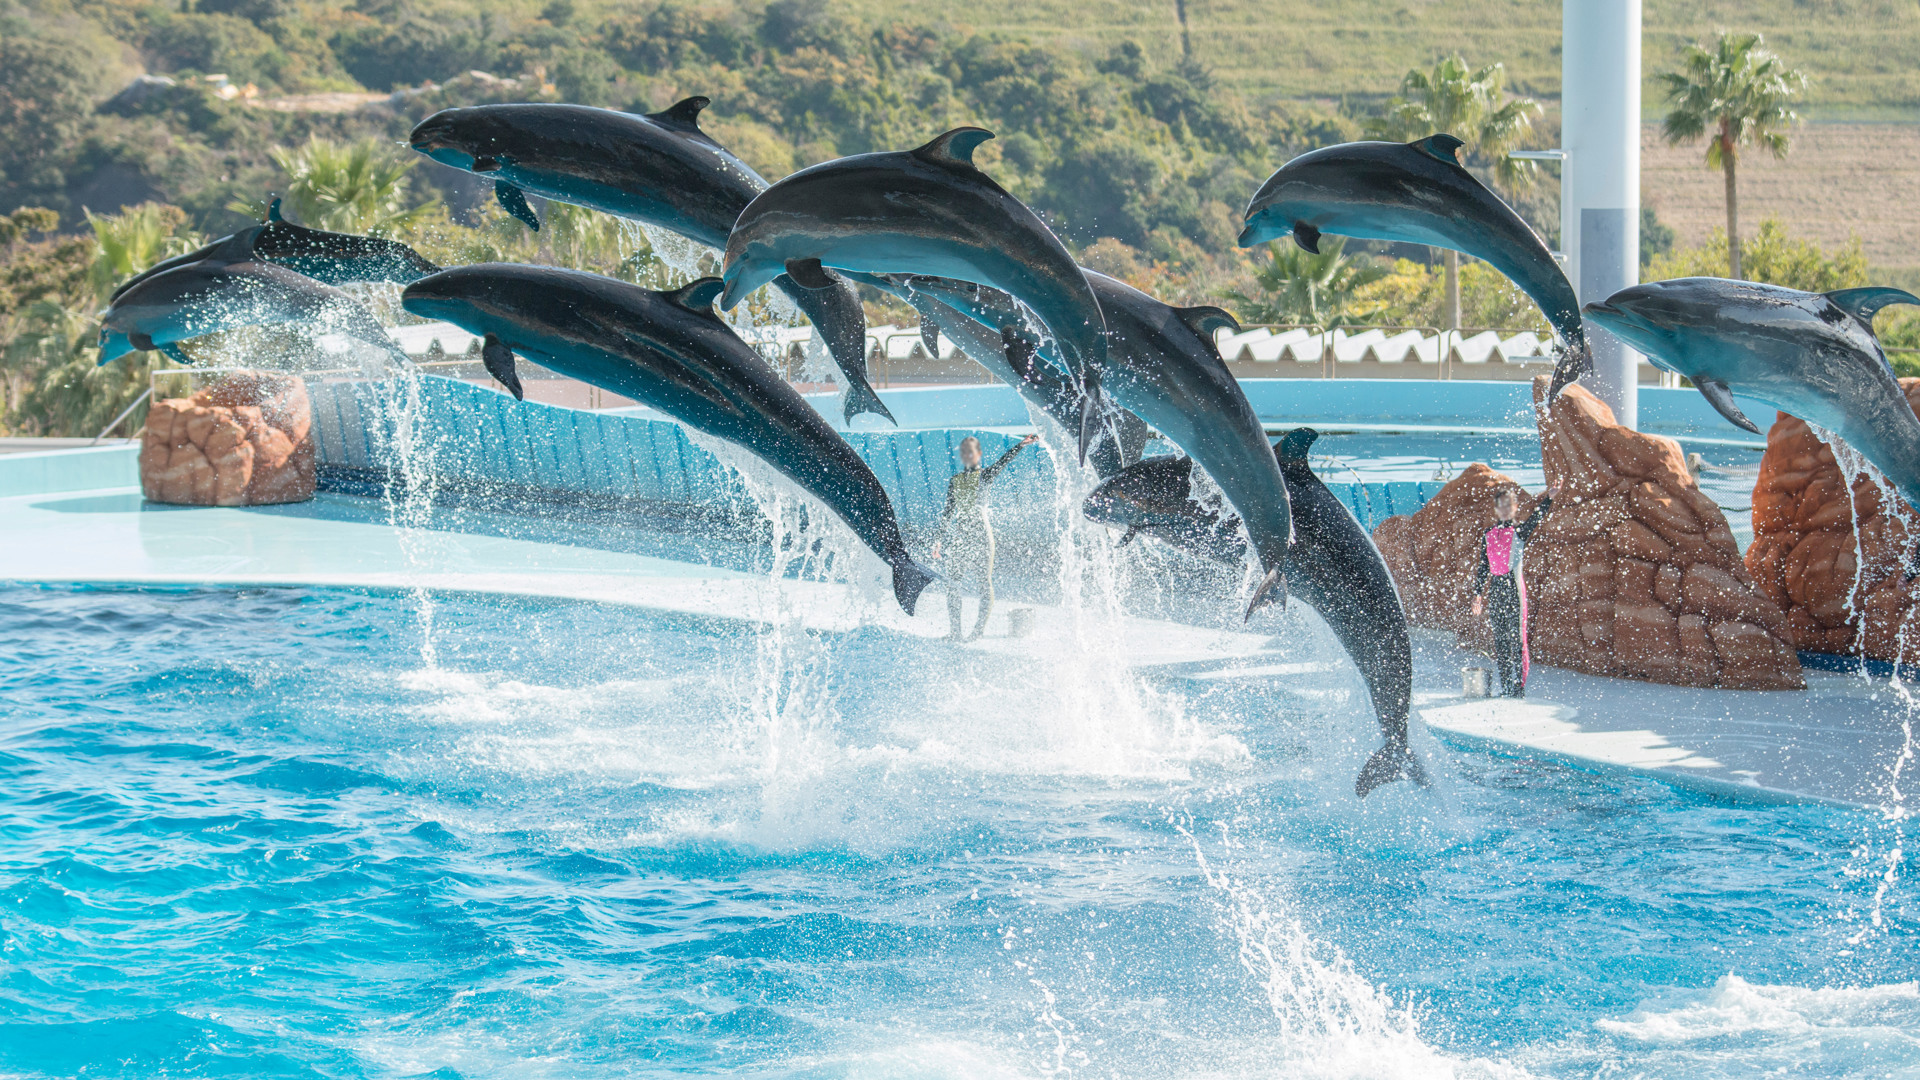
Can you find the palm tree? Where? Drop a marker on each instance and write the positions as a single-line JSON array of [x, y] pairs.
[[1472, 106], [358, 187], [1302, 287], [1736, 93]]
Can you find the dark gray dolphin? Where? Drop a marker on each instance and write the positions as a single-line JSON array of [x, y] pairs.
[[1810, 355], [659, 168], [328, 257], [671, 351], [1418, 193], [1332, 564], [1163, 365], [228, 288], [1010, 354], [930, 212]]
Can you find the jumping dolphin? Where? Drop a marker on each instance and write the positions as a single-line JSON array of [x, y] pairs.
[[659, 168], [328, 257], [1332, 564], [1009, 353], [928, 211], [1162, 364], [1418, 193], [227, 288], [671, 351], [1810, 355]]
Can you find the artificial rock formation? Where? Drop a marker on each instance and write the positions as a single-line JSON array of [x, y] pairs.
[[1635, 572], [245, 441], [1843, 588]]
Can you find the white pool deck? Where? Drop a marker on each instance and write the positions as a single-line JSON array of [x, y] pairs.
[[1836, 742]]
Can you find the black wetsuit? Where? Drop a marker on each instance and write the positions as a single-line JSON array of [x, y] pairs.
[[1506, 593], [968, 537]]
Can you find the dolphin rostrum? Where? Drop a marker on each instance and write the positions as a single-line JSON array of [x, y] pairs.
[[1810, 355], [671, 351], [1163, 365], [659, 168], [928, 211], [1418, 193], [1009, 353], [228, 287], [1332, 564], [328, 257]]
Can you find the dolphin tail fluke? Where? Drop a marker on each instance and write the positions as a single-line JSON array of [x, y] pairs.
[[909, 578], [1272, 590], [1576, 363], [861, 398], [1394, 761]]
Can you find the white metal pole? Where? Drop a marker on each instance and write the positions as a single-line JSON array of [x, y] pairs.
[[1600, 216]]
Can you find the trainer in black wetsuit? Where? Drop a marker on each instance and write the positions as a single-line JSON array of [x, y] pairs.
[[1499, 588], [967, 532]]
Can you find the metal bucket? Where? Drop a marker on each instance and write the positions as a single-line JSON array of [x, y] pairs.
[[1476, 682], [1019, 622]]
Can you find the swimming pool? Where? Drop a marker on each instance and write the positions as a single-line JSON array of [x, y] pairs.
[[256, 833]]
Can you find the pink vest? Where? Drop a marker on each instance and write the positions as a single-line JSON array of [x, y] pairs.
[[1501, 541]]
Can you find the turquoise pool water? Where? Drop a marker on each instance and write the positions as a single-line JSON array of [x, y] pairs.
[[256, 834]]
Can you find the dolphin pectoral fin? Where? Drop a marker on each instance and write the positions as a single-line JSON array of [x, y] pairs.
[[909, 578], [1394, 761], [1576, 363], [953, 149], [930, 335], [514, 201], [1090, 411], [1720, 396], [683, 114], [499, 363], [861, 398], [1127, 537], [1272, 590], [809, 274], [1022, 353], [1864, 304], [1307, 237], [172, 351]]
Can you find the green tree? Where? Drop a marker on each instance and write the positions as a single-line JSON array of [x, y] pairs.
[[1301, 287], [1772, 256], [1736, 93], [358, 187], [1472, 105]]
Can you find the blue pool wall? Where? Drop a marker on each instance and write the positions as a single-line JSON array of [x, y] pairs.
[[487, 440]]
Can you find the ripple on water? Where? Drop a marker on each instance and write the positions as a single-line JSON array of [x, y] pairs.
[[249, 833]]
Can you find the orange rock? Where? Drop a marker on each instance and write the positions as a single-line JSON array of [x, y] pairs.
[[1830, 550], [244, 441], [1635, 572]]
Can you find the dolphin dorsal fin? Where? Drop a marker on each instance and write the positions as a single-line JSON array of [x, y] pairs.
[[1864, 304], [236, 248], [683, 114], [1294, 445], [1441, 147], [955, 148], [1205, 320], [273, 211], [698, 295]]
